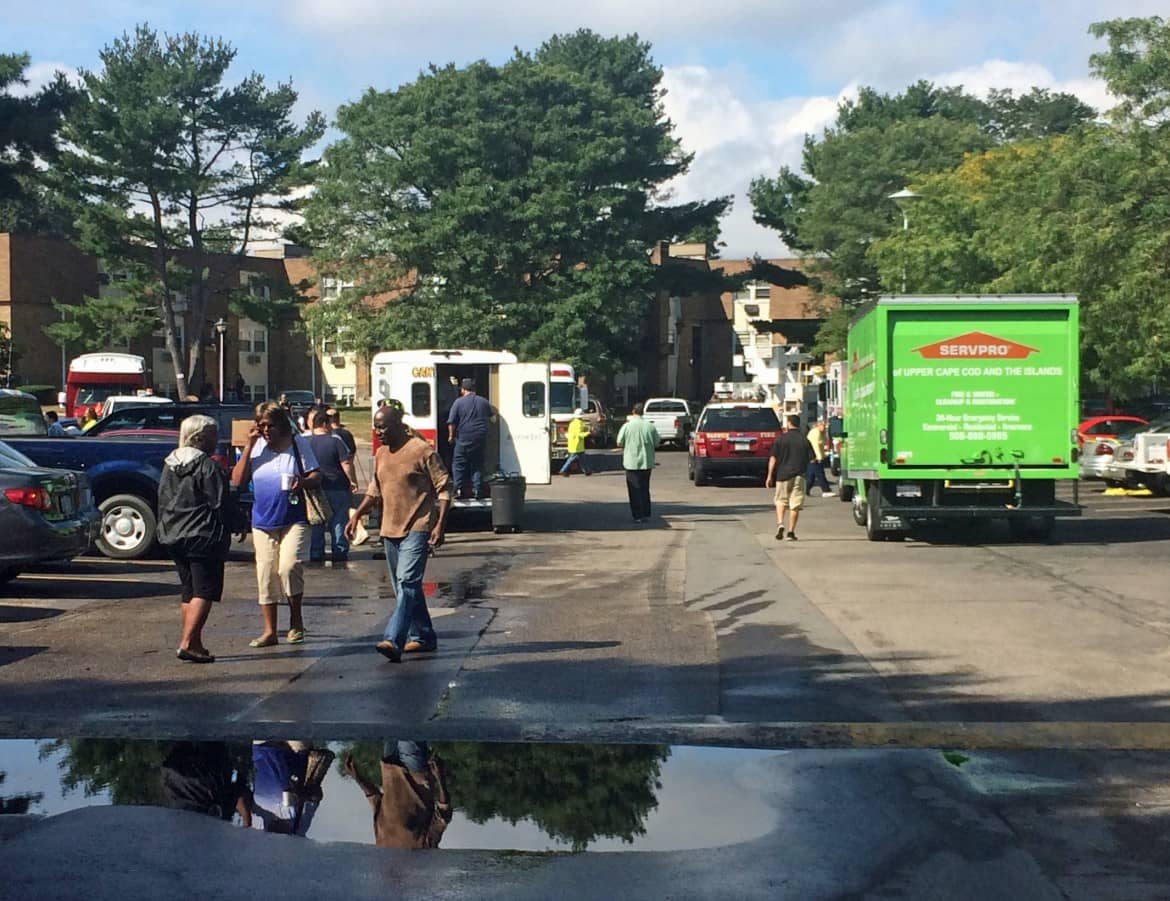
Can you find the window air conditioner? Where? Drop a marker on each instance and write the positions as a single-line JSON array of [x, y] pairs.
[[338, 361], [253, 359]]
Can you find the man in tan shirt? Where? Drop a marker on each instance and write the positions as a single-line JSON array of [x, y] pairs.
[[412, 485]]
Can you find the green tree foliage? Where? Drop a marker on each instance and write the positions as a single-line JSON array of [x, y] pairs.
[[28, 136], [129, 769], [1083, 213], [171, 165], [101, 322], [510, 206], [575, 793], [839, 204]]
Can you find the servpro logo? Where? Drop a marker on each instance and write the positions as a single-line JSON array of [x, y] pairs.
[[976, 346]]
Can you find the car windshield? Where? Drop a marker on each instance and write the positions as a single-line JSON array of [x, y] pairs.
[[666, 406], [299, 397], [96, 394], [10, 456], [740, 419], [21, 415]]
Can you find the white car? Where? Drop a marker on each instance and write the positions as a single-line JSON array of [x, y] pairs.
[[122, 401]]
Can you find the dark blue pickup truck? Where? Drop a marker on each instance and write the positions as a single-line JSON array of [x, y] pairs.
[[122, 456]]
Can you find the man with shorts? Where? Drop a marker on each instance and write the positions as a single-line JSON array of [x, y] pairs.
[[791, 454]]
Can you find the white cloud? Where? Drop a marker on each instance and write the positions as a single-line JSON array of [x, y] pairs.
[[40, 74], [1021, 78], [736, 137]]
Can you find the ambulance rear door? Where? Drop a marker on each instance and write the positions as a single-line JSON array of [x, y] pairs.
[[524, 421]]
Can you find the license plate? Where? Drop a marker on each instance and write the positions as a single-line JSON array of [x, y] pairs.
[[744, 445], [909, 491]]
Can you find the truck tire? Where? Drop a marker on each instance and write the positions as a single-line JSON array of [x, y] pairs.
[[701, 477], [873, 518], [845, 492], [858, 508], [128, 529]]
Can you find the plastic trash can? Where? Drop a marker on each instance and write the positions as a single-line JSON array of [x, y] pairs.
[[508, 502]]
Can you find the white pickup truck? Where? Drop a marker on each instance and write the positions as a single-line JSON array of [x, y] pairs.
[[1143, 459], [671, 417]]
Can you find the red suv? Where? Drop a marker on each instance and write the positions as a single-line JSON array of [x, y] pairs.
[[732, 438]]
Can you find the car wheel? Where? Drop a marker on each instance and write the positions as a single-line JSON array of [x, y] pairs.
[[701, 476], [128, 527]]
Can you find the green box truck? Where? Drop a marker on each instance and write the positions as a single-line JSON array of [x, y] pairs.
[[961, 407]]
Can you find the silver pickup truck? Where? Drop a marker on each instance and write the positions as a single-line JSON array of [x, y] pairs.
[[671, 417]]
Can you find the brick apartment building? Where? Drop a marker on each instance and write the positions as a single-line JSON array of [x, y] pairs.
[[35, 270], [704, 336], [692, 338]]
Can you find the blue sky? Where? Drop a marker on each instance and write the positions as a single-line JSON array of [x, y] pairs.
[[746, 79]]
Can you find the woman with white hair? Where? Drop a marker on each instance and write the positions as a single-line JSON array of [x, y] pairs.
[[196, 518]]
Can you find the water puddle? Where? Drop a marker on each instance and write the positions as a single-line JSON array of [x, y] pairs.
[[530, 797]]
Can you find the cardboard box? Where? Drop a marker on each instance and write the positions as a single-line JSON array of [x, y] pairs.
[[240, 429]]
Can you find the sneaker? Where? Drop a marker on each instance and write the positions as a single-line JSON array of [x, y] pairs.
[[828, 494], [565, 474], [792, 536], [779, 533], [389, 650], [414, 646]]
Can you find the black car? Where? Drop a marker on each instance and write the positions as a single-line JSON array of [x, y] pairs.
[[167, 417], [45, 514]]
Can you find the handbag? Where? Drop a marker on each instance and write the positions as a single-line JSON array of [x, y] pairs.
[[317, 508]]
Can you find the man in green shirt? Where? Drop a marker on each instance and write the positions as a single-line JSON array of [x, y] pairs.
[[638, 440]]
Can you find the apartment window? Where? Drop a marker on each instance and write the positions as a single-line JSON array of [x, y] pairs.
[[254, 281], [253, 337], [255, 393], [331, 287]]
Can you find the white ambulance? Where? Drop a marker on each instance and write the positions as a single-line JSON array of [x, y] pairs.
[[427, 384]]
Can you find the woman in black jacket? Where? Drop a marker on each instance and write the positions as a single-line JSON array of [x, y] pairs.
[[196, 518]]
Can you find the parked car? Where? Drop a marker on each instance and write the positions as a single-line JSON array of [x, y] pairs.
[[1100, 455], [1128, 464], [1107, 427], [45, 514], [671, 417], [122, 456], [20, 414], [298, 403], [1142, 457], [600, 429], [732, 438], [121, 401]]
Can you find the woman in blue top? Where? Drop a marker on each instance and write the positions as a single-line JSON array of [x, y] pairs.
[[280, 465]]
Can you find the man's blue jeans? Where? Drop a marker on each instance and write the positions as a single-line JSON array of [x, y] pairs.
[[340, 500], [411, 754], [468, 461], [406, 559], [815, 476], [580, 458]]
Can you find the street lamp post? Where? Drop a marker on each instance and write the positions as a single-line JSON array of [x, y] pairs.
[[901, 198], [221, 330]]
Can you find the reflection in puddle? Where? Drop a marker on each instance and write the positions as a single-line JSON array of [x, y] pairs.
[[524, 797]]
